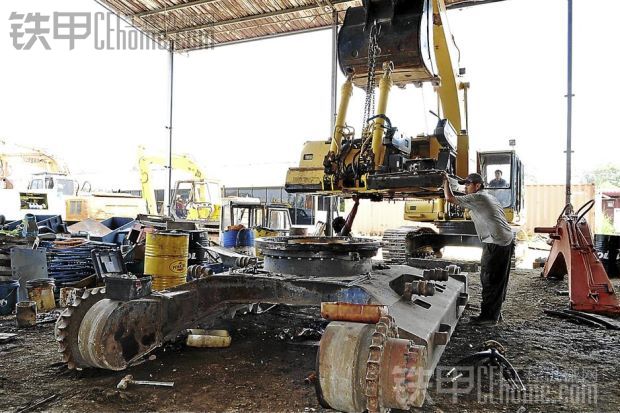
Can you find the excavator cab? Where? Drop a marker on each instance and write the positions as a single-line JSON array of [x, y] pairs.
[[502, 173], [196, 201]]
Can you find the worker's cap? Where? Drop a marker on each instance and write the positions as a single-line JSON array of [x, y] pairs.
[[472, 179]]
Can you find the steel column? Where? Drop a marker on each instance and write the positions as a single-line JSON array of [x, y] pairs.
[[167, 196], [569, 106], [334, 80]]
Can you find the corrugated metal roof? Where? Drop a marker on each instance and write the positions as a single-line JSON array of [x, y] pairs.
[[198, 24]]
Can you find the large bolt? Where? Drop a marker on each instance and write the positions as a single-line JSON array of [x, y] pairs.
[[243, 262], [199, 271], [435, 274], [423, 288]]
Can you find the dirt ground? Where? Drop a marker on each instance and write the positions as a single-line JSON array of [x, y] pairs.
[[566, 367]]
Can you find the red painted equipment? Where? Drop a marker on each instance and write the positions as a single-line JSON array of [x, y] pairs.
[[573, 253]]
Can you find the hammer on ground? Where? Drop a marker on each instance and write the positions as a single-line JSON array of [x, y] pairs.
[[128, 379]]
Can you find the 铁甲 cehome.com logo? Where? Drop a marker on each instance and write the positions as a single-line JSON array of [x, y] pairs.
[[487, 385], [106, 31]]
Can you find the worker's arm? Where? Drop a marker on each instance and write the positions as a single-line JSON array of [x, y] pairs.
[[447, 190], [346, 230]]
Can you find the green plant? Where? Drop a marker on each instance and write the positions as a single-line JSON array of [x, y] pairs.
[[605, 226]]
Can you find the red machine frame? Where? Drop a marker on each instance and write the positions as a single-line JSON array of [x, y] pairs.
[[573, 253]]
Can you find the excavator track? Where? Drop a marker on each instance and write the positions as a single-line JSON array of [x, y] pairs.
[[404, 242], [68, 326]]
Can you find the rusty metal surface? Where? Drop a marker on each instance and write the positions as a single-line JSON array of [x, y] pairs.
[[359, 313], [366, 367], [573, 254], [26, 314], [68, 326], [112, 334], [403, 378], [384, 330], [341, 365]]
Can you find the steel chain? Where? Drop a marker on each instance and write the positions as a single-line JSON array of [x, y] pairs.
[[373, 51]]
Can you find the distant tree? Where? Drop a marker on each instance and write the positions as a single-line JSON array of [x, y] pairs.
[[604, 174]]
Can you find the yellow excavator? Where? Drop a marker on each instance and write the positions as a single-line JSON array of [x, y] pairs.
[[18, 161], [399, 43], [198, 199]]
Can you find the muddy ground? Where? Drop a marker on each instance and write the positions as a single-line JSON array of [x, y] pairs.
[[566, 367]]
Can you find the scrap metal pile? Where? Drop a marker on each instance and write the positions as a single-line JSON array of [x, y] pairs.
[[70, 261]]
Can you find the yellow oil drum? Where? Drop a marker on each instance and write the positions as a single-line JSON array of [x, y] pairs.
[[166, 259]]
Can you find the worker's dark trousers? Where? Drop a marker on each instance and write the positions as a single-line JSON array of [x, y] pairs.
[[495, 268]]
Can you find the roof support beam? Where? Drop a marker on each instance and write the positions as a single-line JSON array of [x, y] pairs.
[[250, 18], [254, 39], [171, 8]]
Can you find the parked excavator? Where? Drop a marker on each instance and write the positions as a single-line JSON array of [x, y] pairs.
[[403, 43], [197, 199], [18, 162], [35, 182]]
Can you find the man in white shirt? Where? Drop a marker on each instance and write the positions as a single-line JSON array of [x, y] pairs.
[[497, 244]]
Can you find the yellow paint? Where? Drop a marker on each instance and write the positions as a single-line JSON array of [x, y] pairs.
[[310, 171], [166, 259], [184, 163], [345, 95], [424, 210], [103, 206], [385, 84], [450, 85]]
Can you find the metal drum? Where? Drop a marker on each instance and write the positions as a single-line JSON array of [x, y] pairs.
[[41, 291], [166, 259], [26, 314], [608, 249]]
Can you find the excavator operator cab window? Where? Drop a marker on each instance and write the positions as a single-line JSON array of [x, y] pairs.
[[248, 216], [36, 184], [214, 193], [279, 219], [64, 186], [497, 176], [496, 171]]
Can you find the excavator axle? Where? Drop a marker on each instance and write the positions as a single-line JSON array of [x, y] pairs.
[[416, 312]]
